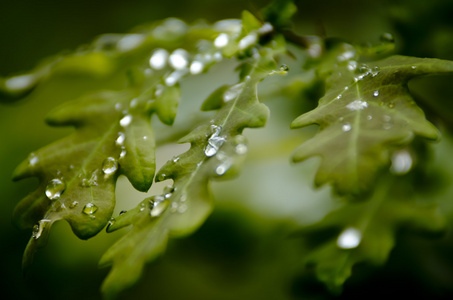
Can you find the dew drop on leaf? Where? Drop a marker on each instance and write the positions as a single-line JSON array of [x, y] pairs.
[[73, 204], [158, 59], [214, 142], [130, 42], [120, 139], [158, 208], [89, 209], [248, 41], [196, 67], [55, 188], [109, 166], [126, 120], [223, 167], [401, 162], [179, 59], [375, 93], [21, 82], [182, 208], [357, 105], [233, 92], [346, 127], [349, 238], [38, 228], [33, 159], [221, 40], [241, 149], [387, 38]]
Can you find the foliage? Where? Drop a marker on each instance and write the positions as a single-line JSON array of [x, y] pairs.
[[372, 138]]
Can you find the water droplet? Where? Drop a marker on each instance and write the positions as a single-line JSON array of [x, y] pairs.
[[413, 67], [284, 68], [248, 41], [110, 224], [118, 106], [375, 93], [174, 77], [233, 92], [123, 212], [350, 238], [223, 167], [369, 117], [241, 149], [221, 40], [357, 105], [73, 204], [130, 42], [214, 142], [182, 208], [120, 139], [21, 82], [109, 166], [158, 59], [346, 127], [38, 228], [352, 65], [168, 189], [401, 162], [55, 188], [142, 206], [133, 103], [179, 59], [217, 56], [387, 38], [196, 67], [159, 90], [174, 206], [89, 209], [126, 120], [123, 152], [183, 198], [158, 208], [33, 159], [391, 104]]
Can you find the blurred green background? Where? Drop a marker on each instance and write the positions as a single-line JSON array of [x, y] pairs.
[[243, 251]]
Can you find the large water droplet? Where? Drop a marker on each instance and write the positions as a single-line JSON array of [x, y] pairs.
[[109, 166], [241, 149], [158, 208], [126, 121], [179, 59], [89, 209], [350, 238], [221, 40], [357, 105], [158, 59], [214, 142], [401, 162], [375, 93], [55, 188]]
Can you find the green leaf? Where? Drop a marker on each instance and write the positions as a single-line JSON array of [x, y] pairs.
[[365, 232], [217, 151], [78, 174], [366, 111]]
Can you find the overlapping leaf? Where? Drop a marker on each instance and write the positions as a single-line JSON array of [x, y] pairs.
[[365, 232], [78, 174], [217, 150], [366, 110]]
